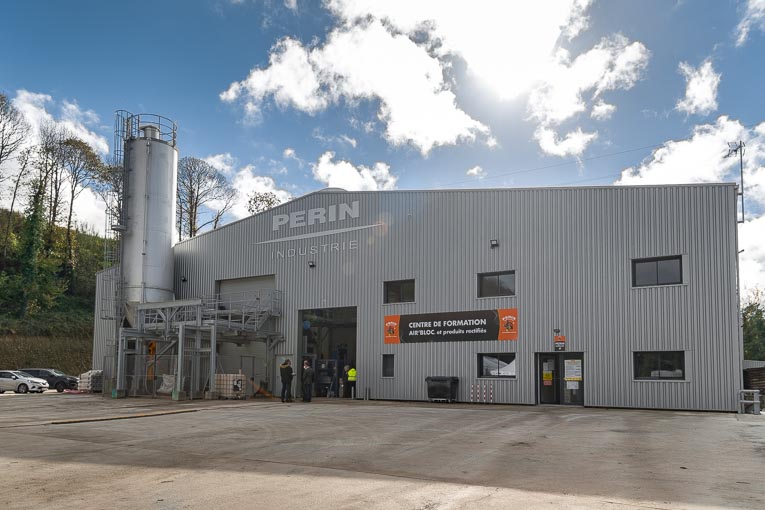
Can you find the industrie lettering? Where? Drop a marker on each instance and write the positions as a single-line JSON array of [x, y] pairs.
[[315, 249], [316, 216]]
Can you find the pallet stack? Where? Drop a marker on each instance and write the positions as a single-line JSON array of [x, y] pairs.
[[92, 381], [754, 379]]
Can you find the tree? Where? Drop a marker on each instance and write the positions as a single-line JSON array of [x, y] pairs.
[[260, 201], [753, 313], [80, 163], [24, 164], [13, 131], [51, 173], [38, 285], [204, 195]]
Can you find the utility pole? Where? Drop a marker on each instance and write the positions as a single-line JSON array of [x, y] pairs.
[[733, 149]]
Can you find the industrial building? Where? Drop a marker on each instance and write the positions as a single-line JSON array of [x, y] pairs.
[[613, 296]]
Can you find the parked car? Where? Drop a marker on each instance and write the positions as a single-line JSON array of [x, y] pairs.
[[58, 380], [20, 382]]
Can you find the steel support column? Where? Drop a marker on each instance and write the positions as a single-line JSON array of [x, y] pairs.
[[211, 394], [178, 393]]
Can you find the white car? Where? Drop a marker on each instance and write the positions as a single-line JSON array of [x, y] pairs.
[[21, 382]]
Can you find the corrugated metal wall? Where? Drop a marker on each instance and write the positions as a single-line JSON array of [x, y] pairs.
[[571, 249], [103, 330]]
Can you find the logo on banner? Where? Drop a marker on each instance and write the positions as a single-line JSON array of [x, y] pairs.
[[391, 329]]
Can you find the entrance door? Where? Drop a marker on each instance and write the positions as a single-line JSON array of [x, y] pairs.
[[329, 342], [561, 378]]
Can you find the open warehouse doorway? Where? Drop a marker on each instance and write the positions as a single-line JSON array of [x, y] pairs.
[[329, 343]]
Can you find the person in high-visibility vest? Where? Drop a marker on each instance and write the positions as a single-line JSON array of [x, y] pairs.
[[350, 379]]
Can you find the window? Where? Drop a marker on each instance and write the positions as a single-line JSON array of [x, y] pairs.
[[496, 284], [388, 365], [401, 291], [657, 271], [496, 365], [660, 365]]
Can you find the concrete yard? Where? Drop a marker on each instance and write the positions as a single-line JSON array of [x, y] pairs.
[[339, 454]]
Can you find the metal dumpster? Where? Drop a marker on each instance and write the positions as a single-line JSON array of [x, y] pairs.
[[442, 388]]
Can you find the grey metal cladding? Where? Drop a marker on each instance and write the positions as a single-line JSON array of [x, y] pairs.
[[571, 249], [103, 329]]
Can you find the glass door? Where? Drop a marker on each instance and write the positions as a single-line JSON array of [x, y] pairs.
[[549, 379], [572, 380], [560, 378]]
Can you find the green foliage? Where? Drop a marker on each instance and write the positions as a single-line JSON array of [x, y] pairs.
[[71, 355], [753, 313], [258, 201]]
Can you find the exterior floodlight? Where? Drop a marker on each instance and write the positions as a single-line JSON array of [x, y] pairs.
[[494, 243], [311, 264]]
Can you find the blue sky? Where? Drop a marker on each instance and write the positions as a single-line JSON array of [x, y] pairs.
[[293, 96]]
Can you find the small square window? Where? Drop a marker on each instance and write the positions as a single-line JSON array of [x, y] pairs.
[[657, 271], [401, 291], [387, 367], [659, 365], [496, 284], [496, 365]]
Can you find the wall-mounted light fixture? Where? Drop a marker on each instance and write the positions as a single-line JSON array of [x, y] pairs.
[[494, 243], [311, 264], [184, 279], [556, 331]]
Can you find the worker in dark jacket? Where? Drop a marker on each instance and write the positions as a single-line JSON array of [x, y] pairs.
[[285, 370], [307, 381]]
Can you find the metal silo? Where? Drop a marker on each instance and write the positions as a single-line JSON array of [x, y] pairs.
[[148, 210]]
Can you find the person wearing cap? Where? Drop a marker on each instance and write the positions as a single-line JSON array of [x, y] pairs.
[[350, 380], [285, 370], [307, 378]]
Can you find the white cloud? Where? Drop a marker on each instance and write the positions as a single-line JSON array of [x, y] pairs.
[[289, 153], [329, 139], [343, 174], [612, 64], [573, 144], [290, 79], [476, 171], [246, 182], [753, 18], [504, 44], [701, 89], [291, 5], [36, 110], [602, 110], [752, 259], [224, 163], [701, 158], [397, 52], [364, 62]]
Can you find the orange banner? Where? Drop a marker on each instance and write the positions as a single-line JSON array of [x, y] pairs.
[[391, 329], [508, 323]]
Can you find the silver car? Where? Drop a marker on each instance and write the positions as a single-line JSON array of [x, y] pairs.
[[21, 382]]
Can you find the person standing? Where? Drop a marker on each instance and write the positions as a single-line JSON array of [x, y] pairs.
[[285, 370], [308, 375], [350, 379]]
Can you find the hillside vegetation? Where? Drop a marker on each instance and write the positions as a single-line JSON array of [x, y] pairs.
[[47, 307]]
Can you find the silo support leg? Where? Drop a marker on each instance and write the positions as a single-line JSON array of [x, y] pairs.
[[211, 394], [119, 390], [178, 393]]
